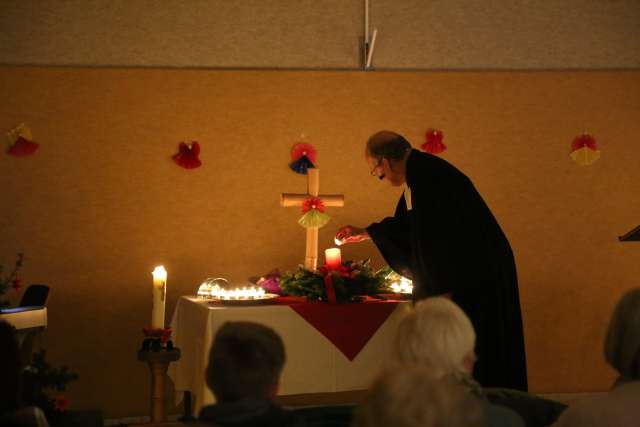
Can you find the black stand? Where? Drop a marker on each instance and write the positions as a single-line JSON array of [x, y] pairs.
[[632, 236], [188, 408]]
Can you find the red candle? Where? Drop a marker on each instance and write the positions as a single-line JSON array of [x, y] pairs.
[[332, 258]]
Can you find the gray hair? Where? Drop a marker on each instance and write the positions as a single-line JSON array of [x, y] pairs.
[[410, 396], [622, 345], [437, 333]]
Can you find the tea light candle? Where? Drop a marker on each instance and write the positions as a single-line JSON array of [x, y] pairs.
[[332, 258], [404, 286], [159, 292]]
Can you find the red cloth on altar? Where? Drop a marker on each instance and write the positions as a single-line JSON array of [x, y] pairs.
[[348, 326]]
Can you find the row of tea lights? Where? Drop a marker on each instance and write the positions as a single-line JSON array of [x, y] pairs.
[[214, 290]]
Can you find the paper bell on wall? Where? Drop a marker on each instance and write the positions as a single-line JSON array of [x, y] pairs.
[[21, 142], [303, 157], [188, 155], [433, 142], [584, 150]]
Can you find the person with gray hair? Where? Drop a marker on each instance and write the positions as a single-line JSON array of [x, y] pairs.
[[439, 335], [411, 396], [620, 407], [444, 237]]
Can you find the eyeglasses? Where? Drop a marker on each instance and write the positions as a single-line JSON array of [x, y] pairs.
[[373, 171]]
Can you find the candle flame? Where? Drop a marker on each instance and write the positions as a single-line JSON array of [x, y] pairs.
[[404, 286], [159, 273]]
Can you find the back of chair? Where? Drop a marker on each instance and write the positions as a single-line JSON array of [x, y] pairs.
[[35, 295]]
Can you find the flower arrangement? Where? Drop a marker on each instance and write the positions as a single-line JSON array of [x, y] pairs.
[[11, 280], [41, 381], [347, 283]]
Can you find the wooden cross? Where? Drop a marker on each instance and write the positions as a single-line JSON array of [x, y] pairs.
[[313, 188]]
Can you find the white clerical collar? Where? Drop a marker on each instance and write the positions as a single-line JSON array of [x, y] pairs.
[[407, 197]]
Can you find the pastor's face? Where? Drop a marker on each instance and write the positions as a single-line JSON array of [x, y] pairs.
[[382, 168]]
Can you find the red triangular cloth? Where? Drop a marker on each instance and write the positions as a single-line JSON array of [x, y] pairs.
[[348, 326]]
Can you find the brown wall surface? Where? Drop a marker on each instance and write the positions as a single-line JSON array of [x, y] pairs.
[[101, 203], [312, 34]]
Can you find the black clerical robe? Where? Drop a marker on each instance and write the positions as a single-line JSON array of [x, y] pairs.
[[450, 242]]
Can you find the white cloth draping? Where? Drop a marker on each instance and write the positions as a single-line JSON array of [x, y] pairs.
[[313, 363]]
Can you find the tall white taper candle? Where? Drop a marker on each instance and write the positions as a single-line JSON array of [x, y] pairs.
[[159, 293]]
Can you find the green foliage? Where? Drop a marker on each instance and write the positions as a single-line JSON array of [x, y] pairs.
[[40, 380], [352, 281]]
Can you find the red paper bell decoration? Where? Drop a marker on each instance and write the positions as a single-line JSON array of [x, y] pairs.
[[303, 157], [303, 149], [23, 147], [187, 155], [433, 144], [584, 150], [584, 140]]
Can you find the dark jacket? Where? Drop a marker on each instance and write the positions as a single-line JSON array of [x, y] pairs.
[[248, 413]]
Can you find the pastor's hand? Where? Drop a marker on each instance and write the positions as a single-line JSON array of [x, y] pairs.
[[351, 234]]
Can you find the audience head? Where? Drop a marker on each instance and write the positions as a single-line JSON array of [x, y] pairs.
[[438, 334], [622, 345], [245, 361], [410, 395], [10, 368]]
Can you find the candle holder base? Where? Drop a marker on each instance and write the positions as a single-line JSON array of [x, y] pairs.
[[158, 362]]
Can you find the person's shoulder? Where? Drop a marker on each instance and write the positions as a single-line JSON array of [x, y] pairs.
[[279, 416], [421, 166], [421, 160]]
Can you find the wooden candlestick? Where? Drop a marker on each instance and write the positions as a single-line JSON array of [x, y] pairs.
[[158, 364]]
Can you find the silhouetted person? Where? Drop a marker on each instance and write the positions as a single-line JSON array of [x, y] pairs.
[[245, 364], [444, 237]]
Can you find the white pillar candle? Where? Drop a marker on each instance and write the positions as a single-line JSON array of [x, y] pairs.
[[159, 292], [332, 258]]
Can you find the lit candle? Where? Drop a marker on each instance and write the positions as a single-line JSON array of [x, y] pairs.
[[159, 291], [332, 258]]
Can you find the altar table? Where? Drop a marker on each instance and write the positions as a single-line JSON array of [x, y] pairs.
[[313, 363]]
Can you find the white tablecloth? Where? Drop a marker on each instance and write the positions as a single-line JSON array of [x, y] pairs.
[[314, 364]]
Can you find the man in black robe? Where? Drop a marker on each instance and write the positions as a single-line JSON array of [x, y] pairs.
[[444, 237]]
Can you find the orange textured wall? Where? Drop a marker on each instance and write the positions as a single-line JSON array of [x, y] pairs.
[[101, 203]]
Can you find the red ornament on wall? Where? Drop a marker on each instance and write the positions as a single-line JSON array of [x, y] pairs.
[[584, 150], [23, 147], [21, 142], [188, 155], [433, 144]]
